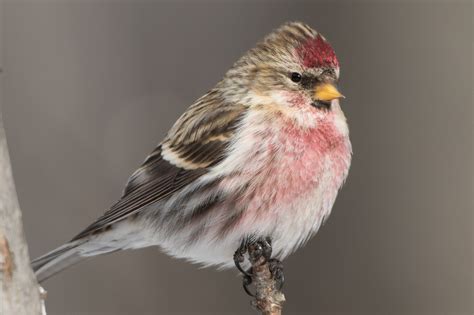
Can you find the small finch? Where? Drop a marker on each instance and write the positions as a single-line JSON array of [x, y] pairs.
[[258, 158]]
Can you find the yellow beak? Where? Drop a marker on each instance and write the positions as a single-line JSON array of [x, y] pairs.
[[326, 92]]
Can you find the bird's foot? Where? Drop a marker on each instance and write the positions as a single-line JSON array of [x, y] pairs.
[[259, 253], [246, 282], [239, 258]]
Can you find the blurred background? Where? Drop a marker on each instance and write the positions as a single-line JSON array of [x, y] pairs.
[[91, 86]]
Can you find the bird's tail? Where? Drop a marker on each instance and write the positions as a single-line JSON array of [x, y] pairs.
[[123, 236], [57, 260]]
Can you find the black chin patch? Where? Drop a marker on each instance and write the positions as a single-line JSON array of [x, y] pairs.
[[321, 104]]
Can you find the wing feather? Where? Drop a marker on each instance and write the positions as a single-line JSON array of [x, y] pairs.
[[196, 142]]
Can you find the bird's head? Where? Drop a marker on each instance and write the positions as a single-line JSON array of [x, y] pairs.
[[293, 66]]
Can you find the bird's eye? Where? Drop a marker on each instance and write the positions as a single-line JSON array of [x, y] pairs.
[[296, 77]]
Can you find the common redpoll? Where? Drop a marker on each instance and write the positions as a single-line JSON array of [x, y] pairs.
[[261, 156]]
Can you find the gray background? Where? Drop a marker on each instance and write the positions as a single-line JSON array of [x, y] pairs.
[[91, 87]]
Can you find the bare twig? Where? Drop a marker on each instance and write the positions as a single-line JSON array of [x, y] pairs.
[[268, 298]]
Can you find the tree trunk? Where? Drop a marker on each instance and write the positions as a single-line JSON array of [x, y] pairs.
[[19, 291]]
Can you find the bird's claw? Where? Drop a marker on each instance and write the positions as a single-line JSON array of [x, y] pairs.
[[276, 268], [256, 249], [239, 258], [246, 282]]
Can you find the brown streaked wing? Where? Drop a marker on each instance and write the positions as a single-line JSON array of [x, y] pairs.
[[197, 141]]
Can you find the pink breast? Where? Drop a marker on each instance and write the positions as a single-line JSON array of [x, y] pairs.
[[299, 163]]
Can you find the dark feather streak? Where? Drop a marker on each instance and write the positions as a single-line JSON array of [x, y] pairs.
[[157, 179]]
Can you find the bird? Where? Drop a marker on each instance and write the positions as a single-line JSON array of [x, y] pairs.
[[259, 158]]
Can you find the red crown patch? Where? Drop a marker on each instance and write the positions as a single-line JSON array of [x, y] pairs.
[[316, 53]]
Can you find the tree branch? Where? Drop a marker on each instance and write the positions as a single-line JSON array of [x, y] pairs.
[[268, 298], [19, 291]]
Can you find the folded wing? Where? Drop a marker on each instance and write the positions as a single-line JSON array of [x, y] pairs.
[[198, 141]]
